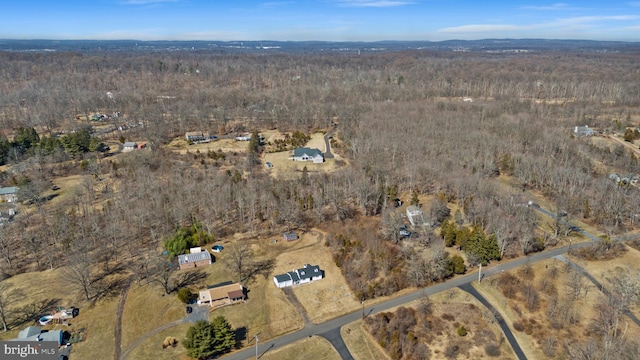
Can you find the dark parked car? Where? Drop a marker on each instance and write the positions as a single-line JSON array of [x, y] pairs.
[[189, 309]]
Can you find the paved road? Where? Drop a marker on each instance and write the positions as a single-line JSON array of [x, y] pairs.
[[505, 328], [336, 340], [339, 322], [327, 145]]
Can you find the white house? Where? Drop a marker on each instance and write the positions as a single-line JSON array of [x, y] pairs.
[[307, 154], [129, 146], [306, 274]]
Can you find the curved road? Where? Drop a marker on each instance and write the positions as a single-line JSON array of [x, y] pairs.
[[505, 328], [337, 323], [330, 330]]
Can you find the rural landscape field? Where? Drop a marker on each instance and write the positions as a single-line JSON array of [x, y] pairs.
[[397, 204]]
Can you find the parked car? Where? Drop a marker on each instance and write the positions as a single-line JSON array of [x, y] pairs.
[[189, 309], [268, 164], [217, 248]]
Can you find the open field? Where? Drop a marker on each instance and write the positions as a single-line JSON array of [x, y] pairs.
[[604, 270], [152, 347], [315, 347], [96, 319], [146, 309], [450, 309], [324, 299], [554, 285], [360, 343]]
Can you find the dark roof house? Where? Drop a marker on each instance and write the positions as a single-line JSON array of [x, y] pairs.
[[307, 154], [306, 274], [290, 235]]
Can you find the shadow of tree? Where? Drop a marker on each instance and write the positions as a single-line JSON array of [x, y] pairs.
[[241, 335], [109, 288], [264, 268], [32, 312], [189, 278]]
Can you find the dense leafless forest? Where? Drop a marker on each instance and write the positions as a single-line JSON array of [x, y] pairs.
[[400, 120]]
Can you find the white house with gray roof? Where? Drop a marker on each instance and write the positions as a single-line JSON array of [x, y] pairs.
[[308, 154], [308, 273]]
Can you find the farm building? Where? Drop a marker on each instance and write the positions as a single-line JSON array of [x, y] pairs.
[[307, 154], [306, 274], [223, 294], [189, 261]]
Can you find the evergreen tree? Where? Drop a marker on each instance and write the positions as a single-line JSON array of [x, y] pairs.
[[482, 247], [204, 339]]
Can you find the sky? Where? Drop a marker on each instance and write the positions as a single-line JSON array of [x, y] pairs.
[[321, 20]]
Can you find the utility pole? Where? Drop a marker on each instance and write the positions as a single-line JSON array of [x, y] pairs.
[[362, 308], [480, 274], [256, 346]]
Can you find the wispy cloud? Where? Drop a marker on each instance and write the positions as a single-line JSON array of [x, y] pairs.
[[373, 3], [556, 6], [634, 3], [584, 21], [478, 28], [146, 2], [272, 4]]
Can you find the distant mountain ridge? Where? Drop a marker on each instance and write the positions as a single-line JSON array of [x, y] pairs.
[[485, 45]]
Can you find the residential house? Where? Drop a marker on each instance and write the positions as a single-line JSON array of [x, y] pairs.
[[583, 131], [308, 154], [129, 146], [35, 333], [9, 194], [190, 261], [306, 274], [243, 138], [416, 216], [290, 236], [222, 294]]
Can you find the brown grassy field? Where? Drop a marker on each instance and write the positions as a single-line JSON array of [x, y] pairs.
[[152, 348], [551, 279], [146, 309], [96, 318], [324, 299], [450, 309], [604, 270], [311, 348]]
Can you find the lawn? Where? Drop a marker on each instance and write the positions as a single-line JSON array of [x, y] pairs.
[[311, 348], [552, 281], [323, 299], [146, 309], [152, 347]]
